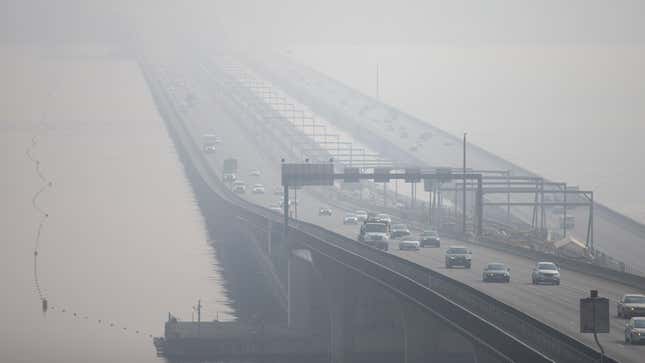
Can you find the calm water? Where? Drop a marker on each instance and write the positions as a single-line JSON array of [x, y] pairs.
[[124, 243], [570, 113]]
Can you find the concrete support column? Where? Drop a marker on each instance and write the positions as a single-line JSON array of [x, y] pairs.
[[340, 313], [299, 285]]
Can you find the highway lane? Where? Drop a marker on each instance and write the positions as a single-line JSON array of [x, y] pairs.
[[555, 305], [618, 238]]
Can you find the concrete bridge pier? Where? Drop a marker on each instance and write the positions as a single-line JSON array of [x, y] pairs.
[[362, 321], [300, 283]]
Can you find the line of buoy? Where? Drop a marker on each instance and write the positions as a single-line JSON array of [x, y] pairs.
[[44, 215]]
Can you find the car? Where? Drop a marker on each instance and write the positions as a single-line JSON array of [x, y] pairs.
[[631, 305], [399, 230], [496, 271], [635, 330], [257, 189], [255, 172], [276, 208], [384, 217], [458, 256], [278, 191], [350, 218], [239, 187], [323, 211], [409, 245], [375, 234], [546, 272], [209, 149], [361, 215], [229, 177], [430, 238]]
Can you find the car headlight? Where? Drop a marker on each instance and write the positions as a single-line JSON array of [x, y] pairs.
[[451, 257], [631, 308], [557, 274]]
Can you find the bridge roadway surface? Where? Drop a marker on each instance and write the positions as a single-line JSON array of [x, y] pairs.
[[614, 234], [554, 305]]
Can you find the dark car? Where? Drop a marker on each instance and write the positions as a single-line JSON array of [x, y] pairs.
[[458, 256], [496, 272], [430, 238], [324, 212], [631, 305], [399, 230]]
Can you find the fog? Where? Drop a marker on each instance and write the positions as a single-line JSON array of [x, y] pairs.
[[555, 87]]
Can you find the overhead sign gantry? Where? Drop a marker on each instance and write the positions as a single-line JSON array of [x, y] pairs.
[[320, 174]]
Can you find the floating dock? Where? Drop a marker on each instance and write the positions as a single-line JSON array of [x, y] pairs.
[[216, 339]]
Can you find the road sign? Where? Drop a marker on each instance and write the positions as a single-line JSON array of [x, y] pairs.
[[352, 175], [428, 185], [382, 175], [594, 315], [412, 175], [296, 175], [444, 174]]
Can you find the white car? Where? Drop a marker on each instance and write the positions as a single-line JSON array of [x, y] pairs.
[[384, 217], [258, 189], [409, 245], [239, 187], [350, 219], [255, 172], [361, 215]]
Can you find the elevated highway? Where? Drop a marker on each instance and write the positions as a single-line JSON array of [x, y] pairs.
[[615, 234], [400, 313], [555, 306]]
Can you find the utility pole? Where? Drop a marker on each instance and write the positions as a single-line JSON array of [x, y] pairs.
[[378, 97], [463, 226]]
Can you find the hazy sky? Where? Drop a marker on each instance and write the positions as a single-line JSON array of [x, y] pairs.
[[282, 23], [574, 65]]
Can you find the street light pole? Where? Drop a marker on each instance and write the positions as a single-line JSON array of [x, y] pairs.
[[463, 226]]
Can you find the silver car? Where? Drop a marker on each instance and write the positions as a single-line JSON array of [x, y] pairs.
[[546, 272], [635, 330], [409, 245], [631, 305], [350, 219]]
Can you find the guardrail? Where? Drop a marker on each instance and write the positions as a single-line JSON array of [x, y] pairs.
[[460, 305]]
